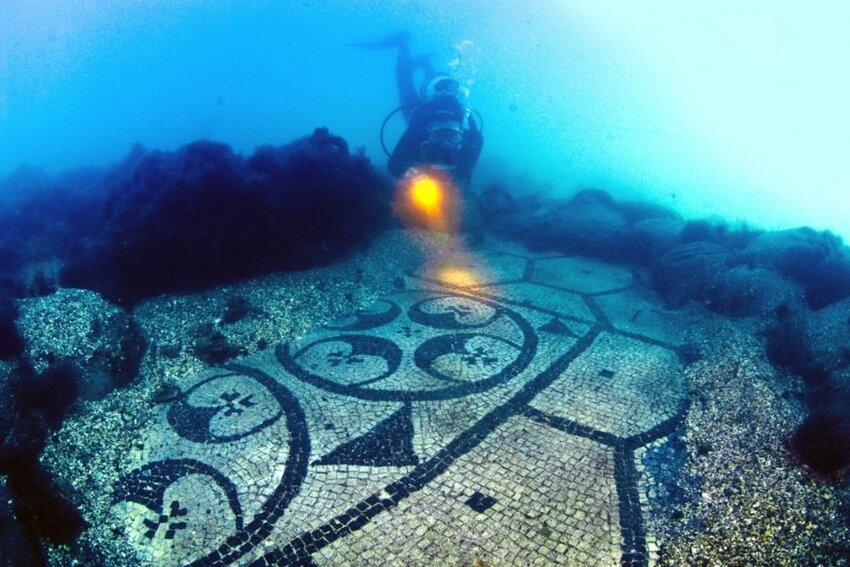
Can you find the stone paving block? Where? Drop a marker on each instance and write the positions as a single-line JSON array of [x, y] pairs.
[[557, 301], [619, 385], [581, 274], [434, 427], [476, 267], [528, 521], [639, 310]]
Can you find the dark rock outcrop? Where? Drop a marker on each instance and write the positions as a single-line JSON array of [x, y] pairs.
[[79, 328], [203, 215]]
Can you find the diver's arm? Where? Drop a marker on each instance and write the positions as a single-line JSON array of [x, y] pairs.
[[407, 152], [405, 76], [470, 150], [402, 158], [405, 83]]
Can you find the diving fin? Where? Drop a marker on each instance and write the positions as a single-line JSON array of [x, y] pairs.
[[396, 39]]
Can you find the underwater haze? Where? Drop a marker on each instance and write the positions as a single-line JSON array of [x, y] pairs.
[[734, 109], [232, 333]]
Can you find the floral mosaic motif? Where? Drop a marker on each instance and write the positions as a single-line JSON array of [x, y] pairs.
[[172, 522], [453, 312], [467, 357], [377, 315], [382, 407], [223, 408], [349, 359], [147, 485], [426, 361]]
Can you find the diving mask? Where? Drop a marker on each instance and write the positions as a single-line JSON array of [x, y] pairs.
[[445, 133]]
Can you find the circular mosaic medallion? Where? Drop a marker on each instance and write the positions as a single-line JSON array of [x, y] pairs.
[[443, 346]]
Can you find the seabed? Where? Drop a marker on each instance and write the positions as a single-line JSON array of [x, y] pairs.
[[543, 409]]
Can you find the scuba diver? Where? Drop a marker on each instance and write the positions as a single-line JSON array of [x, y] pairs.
[[441, 132]]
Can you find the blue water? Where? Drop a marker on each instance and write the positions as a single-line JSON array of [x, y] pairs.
[[720, 109], [730, 110]]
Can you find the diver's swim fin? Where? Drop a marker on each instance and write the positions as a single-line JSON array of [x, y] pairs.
[[423, 61], [396, 39]]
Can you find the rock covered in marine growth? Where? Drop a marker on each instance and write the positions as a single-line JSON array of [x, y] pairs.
[[590, 223], [11, 344], [817, 261], [205, 215], [732, 270], [587, 223], [7, 408], [797, 280], [688, 271], [80, 328], [827, 333], [653, 237]]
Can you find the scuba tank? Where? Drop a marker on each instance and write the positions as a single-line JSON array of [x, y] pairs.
[[469, 114]]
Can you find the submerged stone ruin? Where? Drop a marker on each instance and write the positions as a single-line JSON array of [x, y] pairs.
[[596, 382]]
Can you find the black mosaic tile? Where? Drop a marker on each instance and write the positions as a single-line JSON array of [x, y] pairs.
[[458, 344], [390, 443], [381, 313], [631, 518], [294, 472], [193, 422], [453, 317], [573, 428], [447, 318], [480, 502], [427, 471], [557, 327], [149, 489], [663, 429]]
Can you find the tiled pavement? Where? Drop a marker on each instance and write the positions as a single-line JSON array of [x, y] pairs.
[[501, 421]]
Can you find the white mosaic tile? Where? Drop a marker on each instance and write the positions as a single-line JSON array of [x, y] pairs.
[[581, 274]]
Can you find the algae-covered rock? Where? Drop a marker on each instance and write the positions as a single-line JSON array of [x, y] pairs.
[[637, 211], [816, 260], [7, 410], [80, 328], [769, 248], [649, 239], [743, 291], [687, 271], [205, 215], [589, 223], [827, 335]]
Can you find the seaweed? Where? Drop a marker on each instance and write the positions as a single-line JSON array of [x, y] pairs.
[[11, 342], [212, 346], [238, 308], [42, 507], [822, 442], [204, 215]]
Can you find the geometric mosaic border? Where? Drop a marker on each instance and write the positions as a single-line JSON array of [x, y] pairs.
[[448, 343]]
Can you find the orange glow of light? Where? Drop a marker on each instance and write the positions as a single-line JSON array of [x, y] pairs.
[[458, 277], [426, 195], [427, 198]]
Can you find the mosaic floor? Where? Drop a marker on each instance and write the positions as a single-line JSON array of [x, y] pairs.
[[496, 419]]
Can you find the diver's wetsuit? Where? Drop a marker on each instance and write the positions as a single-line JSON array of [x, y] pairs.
[[420, 144], [414, 147]]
